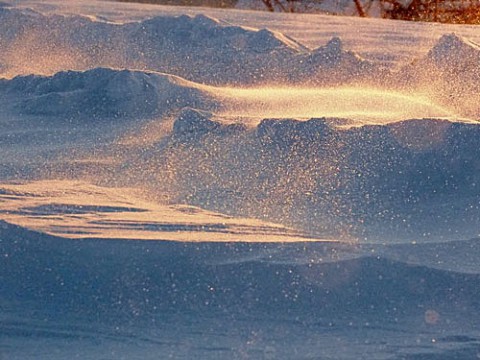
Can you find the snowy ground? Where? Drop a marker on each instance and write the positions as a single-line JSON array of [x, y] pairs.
[[191, 186], [132, 299]]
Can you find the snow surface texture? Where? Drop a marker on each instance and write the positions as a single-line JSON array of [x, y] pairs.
[[377, 40], [326, 180], [313, 201]]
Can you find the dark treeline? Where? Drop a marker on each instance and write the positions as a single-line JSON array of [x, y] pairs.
[[445, 11], [208, 3]]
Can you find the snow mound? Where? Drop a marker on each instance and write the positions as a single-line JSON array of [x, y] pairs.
[[104, 92], [451, 73], [331, 53], [203, 31], [454, 51], [428, 254], [331, 63], [87, 297], [241, 55], [190, 277]]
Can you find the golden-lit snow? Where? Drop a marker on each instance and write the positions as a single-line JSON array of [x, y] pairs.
[[72, 209]]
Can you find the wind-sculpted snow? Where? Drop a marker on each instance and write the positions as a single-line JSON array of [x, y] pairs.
[[215, 52], [338, 178], [78, 210], [185, 187], [103, 93], [84, 294], [454, 51]]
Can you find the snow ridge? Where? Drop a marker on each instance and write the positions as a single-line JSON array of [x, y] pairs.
[[235, 55]]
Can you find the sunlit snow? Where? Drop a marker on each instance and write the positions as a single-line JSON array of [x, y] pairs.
[[182, 182], [364, 105]]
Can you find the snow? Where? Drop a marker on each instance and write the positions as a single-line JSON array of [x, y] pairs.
[[452, 48], [212, 183], [418, 196], [103, 92], [373, 39], [451, 73], [81, 211], [134, 300], [236, 55]]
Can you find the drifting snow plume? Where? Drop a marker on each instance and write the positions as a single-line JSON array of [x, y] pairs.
[[361, 181], [55, 42], [362, 105]]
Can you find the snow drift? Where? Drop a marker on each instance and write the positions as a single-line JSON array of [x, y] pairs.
[[103, 93], [87, 293], [81, 211], [89, 272], [449, 72]]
